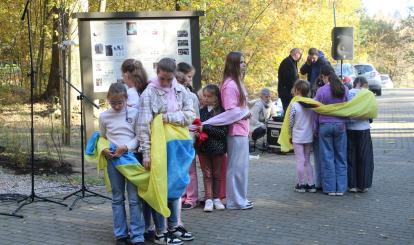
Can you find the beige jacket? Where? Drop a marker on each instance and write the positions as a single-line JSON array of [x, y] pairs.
[[154, 102]]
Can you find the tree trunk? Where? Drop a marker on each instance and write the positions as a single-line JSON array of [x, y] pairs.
[[53, 85], [41, 52], [102, 5]]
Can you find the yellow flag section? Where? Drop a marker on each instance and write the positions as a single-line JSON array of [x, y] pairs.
[[362, 106]]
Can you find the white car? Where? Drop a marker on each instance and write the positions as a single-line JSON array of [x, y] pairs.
[[386, 81], [372, 75]]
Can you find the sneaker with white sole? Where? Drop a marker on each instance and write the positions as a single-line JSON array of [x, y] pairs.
[[181, 233], [311, 188], [218, 204], [209, 206], [300, 188], [339, 194], [167, 239], [331, 194], [353, 190], [248, 206]]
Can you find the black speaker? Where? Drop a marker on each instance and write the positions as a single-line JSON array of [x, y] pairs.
[[343, 43]]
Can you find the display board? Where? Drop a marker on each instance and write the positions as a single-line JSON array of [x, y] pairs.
[[107, 39], [148, 41]]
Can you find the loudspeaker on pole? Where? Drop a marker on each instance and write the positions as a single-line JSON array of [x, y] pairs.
[[343, 43]]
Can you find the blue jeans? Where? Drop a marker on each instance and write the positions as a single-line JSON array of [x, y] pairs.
[[137, 224], [317, 163], [333, 156], [159, 220]]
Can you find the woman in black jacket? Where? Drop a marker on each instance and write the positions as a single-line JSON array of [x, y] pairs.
[[211, 151]]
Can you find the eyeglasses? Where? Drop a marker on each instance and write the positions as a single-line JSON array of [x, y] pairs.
[[116, 102]]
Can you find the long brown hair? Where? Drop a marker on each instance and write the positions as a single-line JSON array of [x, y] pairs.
[[337, 87], [137, 72], [232, 70]]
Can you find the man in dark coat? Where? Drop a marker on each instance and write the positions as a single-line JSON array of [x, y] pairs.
[[287, 76], [312, 67]]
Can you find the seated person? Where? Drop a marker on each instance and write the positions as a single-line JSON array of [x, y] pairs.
[[262, 110]]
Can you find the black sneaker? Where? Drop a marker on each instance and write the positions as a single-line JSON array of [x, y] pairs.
[[187, 206], [167, 239], [149, 236], [121, 241], [300, 188], [137, 243], [181, 233], [311, 188]]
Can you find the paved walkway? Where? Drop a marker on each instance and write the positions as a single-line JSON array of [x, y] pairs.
[[384, 215]]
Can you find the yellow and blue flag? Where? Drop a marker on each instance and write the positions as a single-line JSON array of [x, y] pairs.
[[362, 106], [172, 152]]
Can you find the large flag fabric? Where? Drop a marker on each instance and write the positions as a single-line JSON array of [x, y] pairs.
[[172, 152], [180, 155], [362, 106]]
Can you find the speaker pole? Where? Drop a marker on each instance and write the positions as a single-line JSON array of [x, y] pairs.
[[334, 12]]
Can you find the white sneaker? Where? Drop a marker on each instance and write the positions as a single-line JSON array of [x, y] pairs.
[[218, 204], [208, 207]]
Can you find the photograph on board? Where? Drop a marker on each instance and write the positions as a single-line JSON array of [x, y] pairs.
[[182, 33], [182, 43], [131, 28], [99, 48], [108, 50], [183, 51], [98, 82]]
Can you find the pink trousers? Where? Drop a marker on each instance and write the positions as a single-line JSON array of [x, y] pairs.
[[222, 193], [191, 193], [302, 156]]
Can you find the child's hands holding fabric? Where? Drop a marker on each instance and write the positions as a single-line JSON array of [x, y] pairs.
[[120, 150], [165, 118], [107, 153], [146, 163]]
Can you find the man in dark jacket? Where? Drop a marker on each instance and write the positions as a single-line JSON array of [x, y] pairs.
[[312, 67], [287, 76]]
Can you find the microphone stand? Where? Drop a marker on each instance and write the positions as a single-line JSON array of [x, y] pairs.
[[32, 198], [81, 193]]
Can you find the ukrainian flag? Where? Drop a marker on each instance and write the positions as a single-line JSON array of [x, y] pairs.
[[172, 152], [362, 106]]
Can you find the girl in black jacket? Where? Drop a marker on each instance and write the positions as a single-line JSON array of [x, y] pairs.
[[211, 152]]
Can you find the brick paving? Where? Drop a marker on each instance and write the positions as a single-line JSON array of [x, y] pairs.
[[384, 215]]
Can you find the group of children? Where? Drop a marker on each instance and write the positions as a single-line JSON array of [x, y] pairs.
[[222, 149], [342, 147]]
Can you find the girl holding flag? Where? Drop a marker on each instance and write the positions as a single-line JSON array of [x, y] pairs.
[[165, 96], [119, 126]]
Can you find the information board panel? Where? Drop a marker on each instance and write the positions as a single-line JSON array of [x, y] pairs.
[[148, 41], [107, 39]]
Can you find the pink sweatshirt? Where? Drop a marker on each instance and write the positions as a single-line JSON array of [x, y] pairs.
[[230, 99]]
